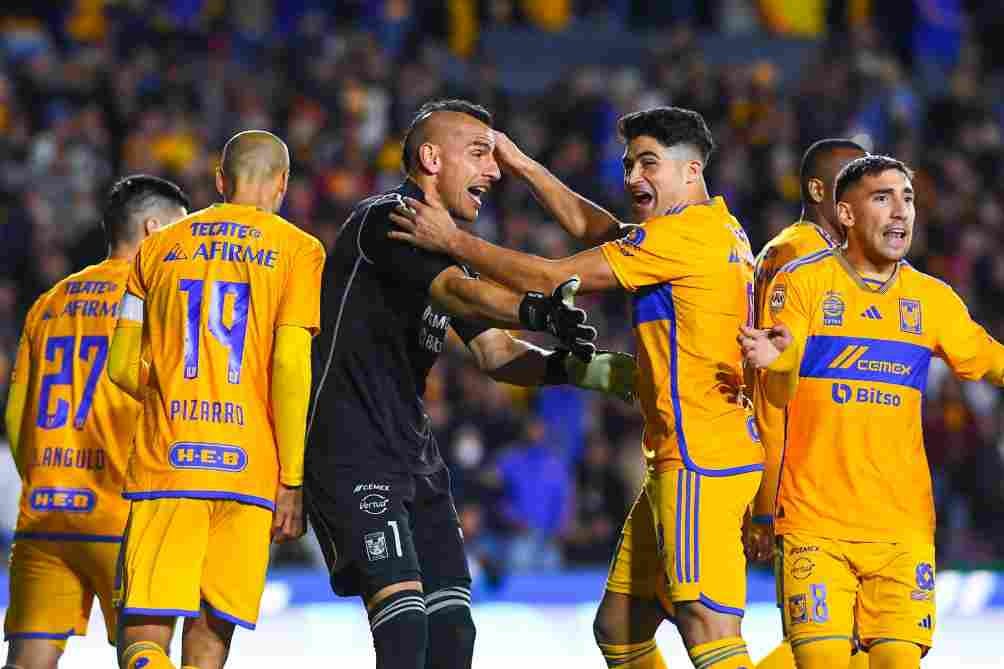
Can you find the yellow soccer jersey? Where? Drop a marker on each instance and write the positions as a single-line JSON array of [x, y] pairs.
[[854, 466], [78, 426], [691, 276], [795, 241], [215, 286]]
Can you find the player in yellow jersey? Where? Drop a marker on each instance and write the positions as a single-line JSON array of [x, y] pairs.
[[70, 431], [689, 269], [226, 302], [853, 332], [816, 230]]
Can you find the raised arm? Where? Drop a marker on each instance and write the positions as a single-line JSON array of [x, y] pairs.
[[580, 217]]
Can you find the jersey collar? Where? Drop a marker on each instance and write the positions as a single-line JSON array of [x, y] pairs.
[[410, 189], [871, 285]]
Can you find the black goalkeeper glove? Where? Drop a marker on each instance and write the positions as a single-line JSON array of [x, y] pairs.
[[558, 315]]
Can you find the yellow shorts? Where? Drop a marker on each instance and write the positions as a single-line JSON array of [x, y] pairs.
[[183, 554], [53, 585], [682, 541], [853, 589]]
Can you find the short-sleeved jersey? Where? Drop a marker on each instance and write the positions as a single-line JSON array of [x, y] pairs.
[[795, 241], [691, 278], [78, 426], [215, 287], [854, 466], [381, 337]]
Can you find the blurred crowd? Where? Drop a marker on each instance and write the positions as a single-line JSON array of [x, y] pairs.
[[92, 89]]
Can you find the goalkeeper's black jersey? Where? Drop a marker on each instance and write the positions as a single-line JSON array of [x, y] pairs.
[[379, 338]]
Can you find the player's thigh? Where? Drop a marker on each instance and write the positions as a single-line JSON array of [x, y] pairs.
[[97, 562], [231, 589], [817, 588], [897, 599], [49, 599], [439, 540], [363, 521], [160, 563], [698, 522]]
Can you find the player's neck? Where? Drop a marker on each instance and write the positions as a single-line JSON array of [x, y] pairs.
[[812, 215], [124, 252], [262, 197], [868, 268]]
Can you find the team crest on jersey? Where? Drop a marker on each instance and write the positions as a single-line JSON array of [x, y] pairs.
[[777, 297], [909, 316], [633, 238], [376, 546], [833, 309], [798, 612]]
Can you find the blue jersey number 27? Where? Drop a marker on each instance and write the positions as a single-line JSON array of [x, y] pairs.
[[93, 349], [232, 336]]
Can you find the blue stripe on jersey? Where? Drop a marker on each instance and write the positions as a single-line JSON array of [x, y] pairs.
[[655, 303], [807, 260], [861, 359], [70, 536], [201, 494]]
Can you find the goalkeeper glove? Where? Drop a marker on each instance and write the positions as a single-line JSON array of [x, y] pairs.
[[558, 315]]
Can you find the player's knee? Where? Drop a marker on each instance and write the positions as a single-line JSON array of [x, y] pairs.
[[699, 624], [400, 630], [624, 619], [894, 654], [34, 653], [821, 653]]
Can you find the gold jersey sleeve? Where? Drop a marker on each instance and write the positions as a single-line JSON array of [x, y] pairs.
[[77, 427], [854, 465], [690, 275], [215, 286]]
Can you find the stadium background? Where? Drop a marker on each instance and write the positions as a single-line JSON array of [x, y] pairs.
[[92, 89]]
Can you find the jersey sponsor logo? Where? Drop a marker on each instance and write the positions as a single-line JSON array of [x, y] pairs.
[[224, 229], [910, 319], [374, 504], [777, 297], [432, 334], [176, 253], [236, 253], [872, 313], [371, 487], [90, 287], [214, 457], [853, 356], [867, 360], [72, 500], [91, 309], [376, 546], [843, 393], [802, 568], [925, 576], [833, 309], [803, 549]]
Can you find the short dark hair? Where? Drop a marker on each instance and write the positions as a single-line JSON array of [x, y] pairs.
[[864, 166], [814, 155], [669, 126], [413, 135], [130, 197]]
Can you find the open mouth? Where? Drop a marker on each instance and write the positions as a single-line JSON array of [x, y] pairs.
[[476, 192], [642, 199], [895, 234]]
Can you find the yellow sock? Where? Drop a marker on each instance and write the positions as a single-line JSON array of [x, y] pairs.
[[728, 653], [145, 655], [779, 658], [644, 655], [893, 654]]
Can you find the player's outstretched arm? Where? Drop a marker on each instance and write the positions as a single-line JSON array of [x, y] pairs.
[[580, 217], [428, 225], [476, 300], [514, 361], [290, 397]]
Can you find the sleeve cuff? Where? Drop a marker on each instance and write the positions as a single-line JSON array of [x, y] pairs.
[[762, 520], [786, 361]]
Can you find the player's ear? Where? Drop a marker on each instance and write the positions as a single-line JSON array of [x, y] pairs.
[[845, 214], [816, 190], [220, 186], [693, 171], [151, 225], [429, 158]]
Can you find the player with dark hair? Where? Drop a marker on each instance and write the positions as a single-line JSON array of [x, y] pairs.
[[70, 432], [851, 335], [226, 302], [378, 492], [689, 269], [816, 230]]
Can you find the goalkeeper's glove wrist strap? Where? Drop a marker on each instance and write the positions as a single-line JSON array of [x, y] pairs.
[[533, 311], [556, 372]]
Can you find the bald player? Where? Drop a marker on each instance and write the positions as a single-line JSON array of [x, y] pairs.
[[224, 304], [816, 230]]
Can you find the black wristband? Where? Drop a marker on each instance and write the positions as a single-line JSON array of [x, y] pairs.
[[555, 373], [533, 311]]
